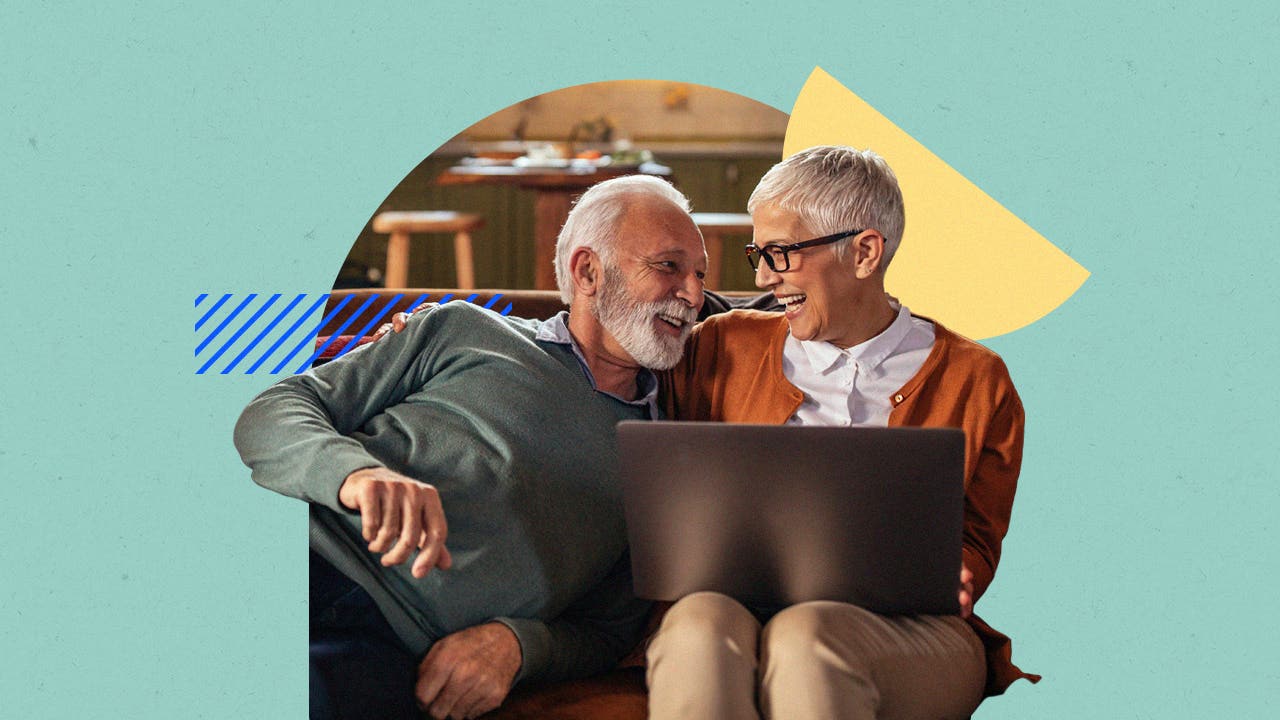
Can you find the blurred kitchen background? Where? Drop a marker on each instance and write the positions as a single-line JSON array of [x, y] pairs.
[[714, 145]]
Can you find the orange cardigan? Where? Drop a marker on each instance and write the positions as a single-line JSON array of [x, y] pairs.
[[732, 372]]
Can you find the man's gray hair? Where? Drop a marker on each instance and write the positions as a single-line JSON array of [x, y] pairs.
[[594, 220], [833, 189]]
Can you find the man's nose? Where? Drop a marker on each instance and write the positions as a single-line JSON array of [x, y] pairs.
[[690, 291]]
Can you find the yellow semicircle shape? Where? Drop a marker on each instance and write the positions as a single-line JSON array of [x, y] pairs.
[[965, 260]]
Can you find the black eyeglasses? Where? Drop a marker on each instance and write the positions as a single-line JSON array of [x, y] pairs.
[[776, 256]]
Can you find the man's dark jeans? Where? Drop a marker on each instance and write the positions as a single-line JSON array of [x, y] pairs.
[[359, 669]]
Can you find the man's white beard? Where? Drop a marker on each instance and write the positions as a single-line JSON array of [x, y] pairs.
[[630, 322]]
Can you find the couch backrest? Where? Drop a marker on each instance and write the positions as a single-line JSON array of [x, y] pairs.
[[523, 303], [537, 304]]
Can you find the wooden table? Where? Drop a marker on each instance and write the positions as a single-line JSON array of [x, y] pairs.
[[555, 189]]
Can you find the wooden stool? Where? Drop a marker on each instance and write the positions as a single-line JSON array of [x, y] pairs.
[[400, 225], [714, 227]]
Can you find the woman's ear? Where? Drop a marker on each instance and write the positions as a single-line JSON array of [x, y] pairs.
[[867, 250]]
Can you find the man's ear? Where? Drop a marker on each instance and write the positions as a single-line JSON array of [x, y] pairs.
[[586, 270], [867, 250]]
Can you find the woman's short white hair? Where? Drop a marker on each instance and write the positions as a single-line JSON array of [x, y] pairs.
[[833, 189], [593, 222]]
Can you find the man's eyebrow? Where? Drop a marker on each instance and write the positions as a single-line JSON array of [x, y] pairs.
[[667, 254]]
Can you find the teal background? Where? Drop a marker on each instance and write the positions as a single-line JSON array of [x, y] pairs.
[[149, 153]]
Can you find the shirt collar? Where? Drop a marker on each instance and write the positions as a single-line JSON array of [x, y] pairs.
[[868, 355], [555, 329]]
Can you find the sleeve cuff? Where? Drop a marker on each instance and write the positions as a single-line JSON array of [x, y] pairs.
[[331, 469], [982, 572], [535, 646]]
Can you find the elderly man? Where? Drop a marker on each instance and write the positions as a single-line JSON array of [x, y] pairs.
[[506, 428], [827, 222]]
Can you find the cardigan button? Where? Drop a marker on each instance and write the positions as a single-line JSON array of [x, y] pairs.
[[897, 398]]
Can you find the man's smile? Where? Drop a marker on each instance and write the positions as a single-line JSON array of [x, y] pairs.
[[672, 325]]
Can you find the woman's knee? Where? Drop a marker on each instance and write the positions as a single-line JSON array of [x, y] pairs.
[[703, 624], [710, 610], [799, 632], [790, 635]]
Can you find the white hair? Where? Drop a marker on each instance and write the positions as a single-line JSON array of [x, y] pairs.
[[630, 321], [834, 189], [594, 220]]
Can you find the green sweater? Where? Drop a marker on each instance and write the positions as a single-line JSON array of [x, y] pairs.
[[522, 449]]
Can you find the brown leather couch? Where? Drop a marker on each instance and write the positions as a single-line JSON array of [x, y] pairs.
[[522, 303]]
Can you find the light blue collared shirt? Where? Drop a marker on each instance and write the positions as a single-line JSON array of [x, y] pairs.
[[555, 329]]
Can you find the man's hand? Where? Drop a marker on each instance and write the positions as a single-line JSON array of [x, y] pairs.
[[966, 591], [399, 515], [468, 673]]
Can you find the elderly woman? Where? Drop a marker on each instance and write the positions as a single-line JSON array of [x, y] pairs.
[[827, 223]]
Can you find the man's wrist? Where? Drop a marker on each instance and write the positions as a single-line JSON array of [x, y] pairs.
[[351, 485], [512, 644], [534, 640]]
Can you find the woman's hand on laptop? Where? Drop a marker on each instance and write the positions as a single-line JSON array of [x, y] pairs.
[[397, 516], [966, 591]]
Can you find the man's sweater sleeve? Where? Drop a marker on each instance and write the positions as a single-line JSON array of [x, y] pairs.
[[294, 435], [589, 638]]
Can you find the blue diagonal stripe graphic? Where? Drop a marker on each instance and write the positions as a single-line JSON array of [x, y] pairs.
[[332, 338], [222, 325], [418, 301], [287, 333], [228, 344], [212, 310], [271, 326], [306, 340], [359, 334], [231, 341]]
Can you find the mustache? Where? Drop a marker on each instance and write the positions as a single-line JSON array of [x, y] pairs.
[[674, 308]]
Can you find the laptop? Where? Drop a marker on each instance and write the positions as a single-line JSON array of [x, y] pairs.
[[774, 515]]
